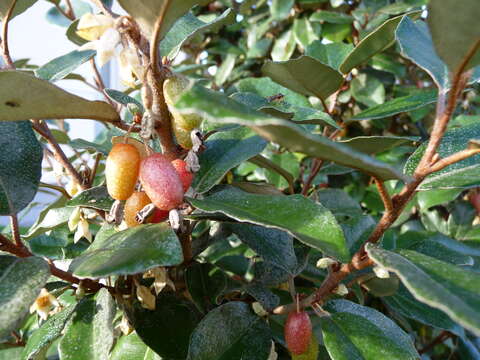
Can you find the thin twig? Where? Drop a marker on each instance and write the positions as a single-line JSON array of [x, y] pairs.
[[459, 156], [70, 11], [387, 201], [16, 230], [61, 11], [6, 52], [57, 188], [444, 335], [154, 53], [98, 157], [102, 7], [316, 167]]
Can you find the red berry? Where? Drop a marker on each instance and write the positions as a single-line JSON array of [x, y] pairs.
[[121, 170], [158, 216], [298, 332], [161, 182], [185, 176]]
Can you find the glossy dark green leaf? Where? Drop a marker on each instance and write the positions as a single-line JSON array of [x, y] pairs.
[[224, 151], [20, 7], [131, 347], [130, 251], [338, 202], [21, 280], [189, 26], [262, 294], [398, 105], [52, 216], [406, 305], [416, 44], [96, 198], [219, 108], [89, 335], [331, 17], [330, 54], [296, 75], [376, 144], [461, 174], [81, 144], [303, 32], [61, 66], [280, 9], [56, 246], [231, 331], [272, 245], [427, 199], [284, 46], [28, 97], [441, 285], [204, 283], [316, 227], [168, 328], [43, 337], [123, 98], [72, 34], [367, 90], [355, 332], [20, 166], [375, 42], [449, 23]]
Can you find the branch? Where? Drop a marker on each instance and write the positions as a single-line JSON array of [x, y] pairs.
[[454, 158], [6, 51], [102, 7], [156, 37], [387, 201], [317, 165], [57, 188], [16, 231]]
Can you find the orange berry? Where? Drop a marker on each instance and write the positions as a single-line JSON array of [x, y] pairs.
[[186, 177], [133, 205], [161, 182], [298, 332], [121, 171]]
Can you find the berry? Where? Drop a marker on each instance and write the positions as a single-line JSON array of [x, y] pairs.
[[158, 216], [133, 205], [311, 353], [161, 182], [173, 88], [121, 171], [298, 332], [185, 176]]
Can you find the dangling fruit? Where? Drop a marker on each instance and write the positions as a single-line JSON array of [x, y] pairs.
[[311, 353], [298, 332], [183, 137], [121, 171], [173, 88], [133, 205], [161, 182], [158, 216], [185, 176]]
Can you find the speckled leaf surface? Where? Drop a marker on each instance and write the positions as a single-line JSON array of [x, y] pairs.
[[355, 332], [296, 75], [441, 285], [130, 251], [96, 198], [461, 174], [61, 66], [20, 166], [217, 107], [89, 335], [41, 339], [230, 332], [21, 280], [316, 227], [131, 347], [204, 283], [50, 217], [33, 98], [224, 151]]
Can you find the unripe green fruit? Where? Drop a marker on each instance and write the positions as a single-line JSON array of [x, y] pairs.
[[161, 182], [173, 88], [311, 353], [298, 332], [121, 171], [185, 176]]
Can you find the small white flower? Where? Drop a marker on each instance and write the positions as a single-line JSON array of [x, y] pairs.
[[105, 46], [130, 67], [44, 302], [74, 219], [325, 262], [341, 290], [161, 279], [91, 27], [82, 231], [381, 272]]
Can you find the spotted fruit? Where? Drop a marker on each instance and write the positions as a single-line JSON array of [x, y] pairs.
[[136, 202], [311, 353], [121, 171], [298, 332], [186, 176]]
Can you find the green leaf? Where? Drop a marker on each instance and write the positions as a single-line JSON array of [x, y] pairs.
[[330, 54], [216, 107], [231, 331], [204, 283], [50, 218], [131, 347], [427, 199], [406, 305], [375, 42], [316, 227], [441, 285], [190, 26], [168, 328], [20, 166], [331, 17], [89, 336], [367, 90], [272, 245], [72, 34], [21, 280], [416, 45], [56, 246], [225, 150], [338, 202], [61, 66], [129, 252], [398, 105], [303, 32], [280, 9], [20, 7], [296, 75], [122, 98], [455, 31], [377, 144], [461, 174], [81, 144], [146, 12], [27, 97], [39, 342], [96, 198], [352, 332], [225, 69], [283, 47]]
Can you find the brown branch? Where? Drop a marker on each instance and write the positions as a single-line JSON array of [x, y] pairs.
[[16, 231], [6, 52], [387, 201], [154, 53], [98, 157], [444, 335], [70, 12], [316, 167], [61, 11], [102, 7], [459, 156]]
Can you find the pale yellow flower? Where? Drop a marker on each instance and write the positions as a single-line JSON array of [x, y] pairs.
[[130, 67], [83, 231], [43, 304], [105, 46], [91, 27]]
